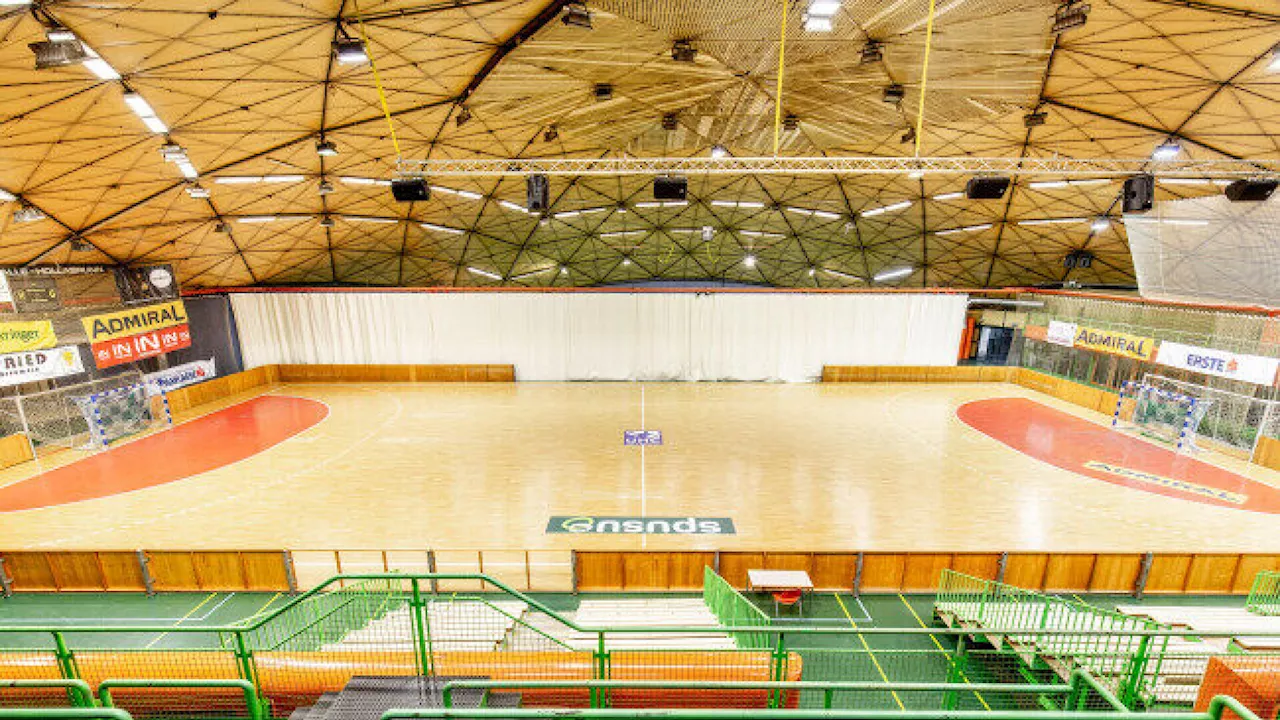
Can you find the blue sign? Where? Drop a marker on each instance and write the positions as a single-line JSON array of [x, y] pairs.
[[641, 437]]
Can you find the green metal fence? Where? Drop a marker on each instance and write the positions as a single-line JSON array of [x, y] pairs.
[[733, 610], [390, 624], [1264, 597]]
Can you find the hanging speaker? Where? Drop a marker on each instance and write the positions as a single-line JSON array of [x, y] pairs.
[[537, 196], [670, 188], [1250, 190], [411, 190], [986, 188], [1139, 193]]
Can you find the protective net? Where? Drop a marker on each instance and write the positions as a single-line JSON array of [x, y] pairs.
[[120, 412], [1164, 415], [1226, 421], [53, 419]]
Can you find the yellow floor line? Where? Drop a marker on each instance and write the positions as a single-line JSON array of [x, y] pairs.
[[178, 622], [264, 607], [943, 650], [867, 647]]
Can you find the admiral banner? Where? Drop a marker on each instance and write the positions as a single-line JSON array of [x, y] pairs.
[[138, 347], [179, 376], [23, 336], [135, 321], [1116, 343], [1219, 363], [25, 367]]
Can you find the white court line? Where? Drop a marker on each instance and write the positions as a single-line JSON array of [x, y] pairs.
[[644, 501], [104, 621]]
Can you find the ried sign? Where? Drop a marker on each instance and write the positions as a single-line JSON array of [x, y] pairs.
[[641, 437], [631, 525]]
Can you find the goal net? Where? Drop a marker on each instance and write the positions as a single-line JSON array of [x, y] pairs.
[[90, 415], [1224, 421], [1159, 413]]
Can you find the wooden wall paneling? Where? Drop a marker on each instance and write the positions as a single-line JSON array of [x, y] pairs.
[[30, 571], [264, 571], [221, 571], [1115, 573], [551, 570], [834, 571], [1211, 574], [734, 566], [461, 562], [1026, 570], [1268, 453], [76, 570], [409, 562], [994, 373], [1248, 569], [686, 569], [979, 565], [646, 571], [120, 571], [1168, 573], [789, 561], [882, 572], [507, 567], [600, 571], [14, 450], [922, 572], [313, 567], [376, 561], [1069, 572], [173, 571]]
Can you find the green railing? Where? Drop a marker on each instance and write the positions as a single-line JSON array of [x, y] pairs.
[[1114, 647], [1264, 597], [391, 624], [159, 697], [732, 609]]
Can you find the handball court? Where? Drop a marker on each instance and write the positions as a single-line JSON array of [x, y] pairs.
[[899, 467]]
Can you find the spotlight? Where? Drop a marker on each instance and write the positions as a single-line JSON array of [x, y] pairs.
[[79, 244], [909, 136], [1100, 224], [683, 51], [1035, 119], [577, 15], [326, 221], [326, 148], [27, 213], [718, 151], [603, 92], [989, 187], [51, 54], [550, 134], [1071, 14], [670, 121], [1251, 190], [197, 191], [894, 94], [1274, 65], [749, 261], [791, 123], [325, 187], [350, 52], [872, 52], [1167, 150], [464, 115], [222, 227]]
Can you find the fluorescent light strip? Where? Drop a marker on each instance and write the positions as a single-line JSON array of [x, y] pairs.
[[751, 204], [484, 273], [969, 228], [893, 274], [813, 213], [96, 65], [1186, 223], [948, 196], [441, 228], [514, 206], [1053, 184], [370, 219], [187, 169], [887, 208], [758, 233], [535, 272], [663, 204], [283, 178], [363, 181], [460, 193], [839, 274], [685, 230], [622, 233], [6, 196], [257, 219], [1053, 221]]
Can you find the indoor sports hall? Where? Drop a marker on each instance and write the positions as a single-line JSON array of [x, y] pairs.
[[661, 360]]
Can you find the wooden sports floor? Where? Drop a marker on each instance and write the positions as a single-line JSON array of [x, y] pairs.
[[899, 467]]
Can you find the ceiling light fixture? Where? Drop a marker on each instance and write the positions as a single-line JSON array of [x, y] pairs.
[[1053, 221], [749, 261], [825, 215], [325, 187], [602, 92], [749, 204], [460, 193], [6, 196], [894, 94], [197, 191], [144, 111], [1274, 65], [441, 228], [550, 134], [893, 274], [683, 51], [872, 52], [886, 209], [719, 151], [348, 180], [948, 196], [670, 121], [1100, 224], [28, 213], [254, 219], [791, 123], [349, 51], [326, 148], [463, 116], [1071, 14], [1035, 119], [577, 15], [968, 228], [1167, 150], [484, 273], [58, 53]]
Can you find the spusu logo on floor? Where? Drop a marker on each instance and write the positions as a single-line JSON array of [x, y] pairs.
[[631, 525]]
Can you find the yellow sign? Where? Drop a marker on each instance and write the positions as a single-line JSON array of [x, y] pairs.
[[135, 321], [1116, 343], [24, 336]]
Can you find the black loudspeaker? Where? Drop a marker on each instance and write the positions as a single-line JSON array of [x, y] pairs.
[[537, 195], [670, 188], [411, 190], [1139, 193], [1251, 190], [986, 188]]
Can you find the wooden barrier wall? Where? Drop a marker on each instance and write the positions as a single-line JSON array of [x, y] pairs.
[[1268, 454], [14, 450], [1171, 573], [127, 570]]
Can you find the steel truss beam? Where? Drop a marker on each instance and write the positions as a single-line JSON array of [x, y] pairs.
[[852, 165]]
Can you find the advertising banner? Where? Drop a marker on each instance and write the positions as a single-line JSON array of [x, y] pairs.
[[1116, 343], [145, 319], [179, 376], [34, 293], [24, 336], [1061, 333], [130, 348], [1219, 363], [25, 367]]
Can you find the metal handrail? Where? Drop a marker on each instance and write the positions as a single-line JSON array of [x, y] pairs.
[[81, 694], [252, 706]]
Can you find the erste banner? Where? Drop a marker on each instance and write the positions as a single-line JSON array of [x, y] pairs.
[[131, 348], [25, 367], [1061, 333], [1219, 363], [135, 321], [24, 336], [179, 376], [1116, 343]]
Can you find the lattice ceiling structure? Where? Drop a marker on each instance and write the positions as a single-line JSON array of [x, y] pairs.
[[248, 88]]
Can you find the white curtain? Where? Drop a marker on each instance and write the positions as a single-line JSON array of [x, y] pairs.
[[604, 335]]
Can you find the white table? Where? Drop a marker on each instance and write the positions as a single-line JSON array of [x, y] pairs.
[[772, 581]]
